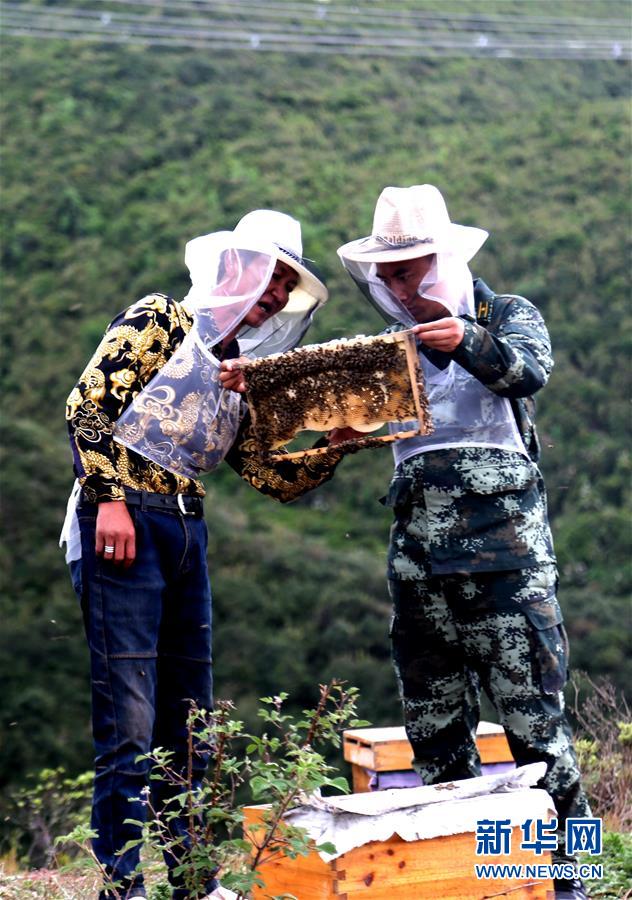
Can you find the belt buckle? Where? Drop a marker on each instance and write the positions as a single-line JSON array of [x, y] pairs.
[[182, 507]]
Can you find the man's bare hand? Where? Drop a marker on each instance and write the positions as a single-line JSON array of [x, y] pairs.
[[442, 334], [116, 535], [338, 435], [231, 374]]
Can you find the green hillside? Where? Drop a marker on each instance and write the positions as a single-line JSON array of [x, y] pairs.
[[114, 156]]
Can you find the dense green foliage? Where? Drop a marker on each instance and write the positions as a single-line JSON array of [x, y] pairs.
[[115, 156], [616, 860]]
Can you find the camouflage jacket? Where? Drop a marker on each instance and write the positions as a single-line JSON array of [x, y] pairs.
[[471, 509]]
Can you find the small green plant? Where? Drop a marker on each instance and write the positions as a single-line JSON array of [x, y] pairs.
[[604, 751], [278, 766], [51, 804], [617, 866], [160, 891], [286, 764], [80, 838]]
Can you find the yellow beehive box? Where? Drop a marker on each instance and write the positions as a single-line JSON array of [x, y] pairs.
[[438, 867], [388, 750]]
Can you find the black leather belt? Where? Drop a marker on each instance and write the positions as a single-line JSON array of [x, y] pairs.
[[178, 503], [182, 503]]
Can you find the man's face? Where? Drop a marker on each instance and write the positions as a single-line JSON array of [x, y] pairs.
[[274, 298], [403, 278]]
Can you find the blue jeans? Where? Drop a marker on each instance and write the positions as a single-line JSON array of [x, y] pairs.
[[149, 633]]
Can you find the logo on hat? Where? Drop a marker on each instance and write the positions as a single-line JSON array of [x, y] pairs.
[[411, 222]]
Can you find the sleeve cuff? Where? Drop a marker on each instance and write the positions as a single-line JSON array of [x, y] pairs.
[[471, 341], [100, 490]]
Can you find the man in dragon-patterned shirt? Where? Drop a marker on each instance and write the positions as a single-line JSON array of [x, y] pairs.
[[137, 343], [471, 567], [138, 562]]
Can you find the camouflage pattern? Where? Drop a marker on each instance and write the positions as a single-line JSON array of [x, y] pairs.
[[470, 509], [501, 631], [513, 356], [473, 579]]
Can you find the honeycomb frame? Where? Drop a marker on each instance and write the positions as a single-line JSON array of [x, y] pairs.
[[355, 382]]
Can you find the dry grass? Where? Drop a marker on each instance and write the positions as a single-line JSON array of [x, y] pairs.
[[77, 882], [604, 748], [47, 884]]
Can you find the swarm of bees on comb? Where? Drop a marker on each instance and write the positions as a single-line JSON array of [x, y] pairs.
[[360, 382]]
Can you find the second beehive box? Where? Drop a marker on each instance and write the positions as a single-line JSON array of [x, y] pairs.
[[382, 750]]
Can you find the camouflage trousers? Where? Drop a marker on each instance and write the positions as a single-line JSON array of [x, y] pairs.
[[501, 631]]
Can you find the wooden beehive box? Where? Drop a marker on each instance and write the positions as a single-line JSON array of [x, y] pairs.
[[362, 382], [388, 750], [438, 868]]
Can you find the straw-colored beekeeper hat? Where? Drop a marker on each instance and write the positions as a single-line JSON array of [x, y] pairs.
[[412, 222]]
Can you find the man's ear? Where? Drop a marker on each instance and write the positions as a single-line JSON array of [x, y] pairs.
[[229, 271], [228, 264]]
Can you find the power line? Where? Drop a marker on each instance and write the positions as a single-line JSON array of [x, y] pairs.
[[75, 19], [434, 51], [322, 10], [73, 23], [263, 22]]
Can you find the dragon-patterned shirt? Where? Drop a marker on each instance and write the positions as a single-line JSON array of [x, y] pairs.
[[479, 509], [136, 344]]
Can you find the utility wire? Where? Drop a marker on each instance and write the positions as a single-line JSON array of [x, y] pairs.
[[74, 23], [369, 18], [265, 24], [36, 15], [322, 10]]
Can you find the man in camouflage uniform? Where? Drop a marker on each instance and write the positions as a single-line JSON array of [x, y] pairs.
[[471, 566]]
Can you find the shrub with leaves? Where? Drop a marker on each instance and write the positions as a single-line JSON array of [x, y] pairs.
[[53, 803], [604, 749], [279, 766], [616, 859]]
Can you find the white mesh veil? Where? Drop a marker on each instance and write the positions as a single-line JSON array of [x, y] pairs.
[[448, 282], [184, 420], [284, 330], [464, 411]]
